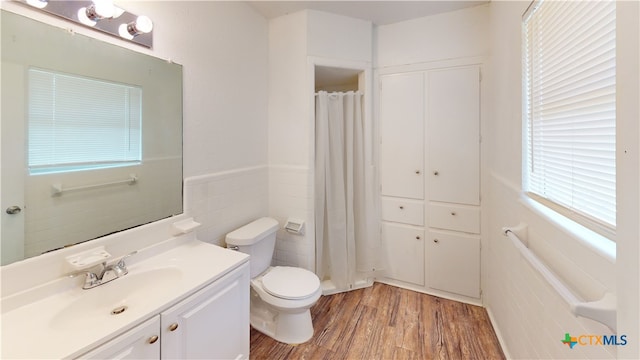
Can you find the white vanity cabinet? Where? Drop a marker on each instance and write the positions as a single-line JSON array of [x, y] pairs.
[[141, 342], [429, 128], [213, 323]]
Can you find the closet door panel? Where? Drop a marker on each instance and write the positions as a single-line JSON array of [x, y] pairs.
[[405, 252], [402, 135], [454, 262], [453, 135]]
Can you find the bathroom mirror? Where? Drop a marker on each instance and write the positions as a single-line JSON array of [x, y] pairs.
[[85, 198]]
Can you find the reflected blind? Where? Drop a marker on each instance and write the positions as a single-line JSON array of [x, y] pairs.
[[570, 106], [77, 123]]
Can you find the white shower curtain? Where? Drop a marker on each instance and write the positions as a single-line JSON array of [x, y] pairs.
[[347, 236]]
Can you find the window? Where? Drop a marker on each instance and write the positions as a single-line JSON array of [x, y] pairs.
[[77, 123], [569, 68]]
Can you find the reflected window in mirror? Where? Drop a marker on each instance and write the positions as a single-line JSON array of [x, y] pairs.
[[78, 123]]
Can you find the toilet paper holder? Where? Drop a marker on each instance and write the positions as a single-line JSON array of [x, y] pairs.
[[294, 226]]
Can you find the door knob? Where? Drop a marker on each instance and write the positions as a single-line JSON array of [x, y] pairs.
[[12, 210], [436, 173], [153, 339], [173, 327]]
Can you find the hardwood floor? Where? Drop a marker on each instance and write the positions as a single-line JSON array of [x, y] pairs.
[[386, 322]]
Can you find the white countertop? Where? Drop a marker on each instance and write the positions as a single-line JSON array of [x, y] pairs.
[[59, 320]]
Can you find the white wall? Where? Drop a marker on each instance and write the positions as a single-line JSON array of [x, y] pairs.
[[456, 34], [223, 48], [528, 314], [294, 41]]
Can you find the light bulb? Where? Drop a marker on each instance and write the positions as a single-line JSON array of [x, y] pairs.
[[103, 8], [83, 18], [142, 25], [40, 4], [100, 9]]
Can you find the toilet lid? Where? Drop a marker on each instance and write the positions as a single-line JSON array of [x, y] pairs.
[[290, 282]]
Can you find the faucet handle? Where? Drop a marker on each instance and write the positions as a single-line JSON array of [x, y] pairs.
[[121, 262], [90, 278]]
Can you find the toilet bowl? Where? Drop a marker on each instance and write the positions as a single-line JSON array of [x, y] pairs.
[[281, 296], [280, 308]]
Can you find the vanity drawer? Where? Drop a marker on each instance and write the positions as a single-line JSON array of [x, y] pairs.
[[464, 218], [403, 211]]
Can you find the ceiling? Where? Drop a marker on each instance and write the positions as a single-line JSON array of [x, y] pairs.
[[378, 12]]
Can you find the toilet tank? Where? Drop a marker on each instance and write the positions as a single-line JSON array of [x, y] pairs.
[[258, 239]]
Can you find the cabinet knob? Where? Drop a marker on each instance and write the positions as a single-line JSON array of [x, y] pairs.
[[453, 213], [173, 327], [436, 173], [153, 339], [418, 172], [418, 237], [12, 210], [401, 207], [436, 241]]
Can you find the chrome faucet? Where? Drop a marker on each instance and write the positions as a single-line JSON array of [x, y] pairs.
[[106, 274]]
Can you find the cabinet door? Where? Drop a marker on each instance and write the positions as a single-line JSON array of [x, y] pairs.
[[141, 342], [405, 252], [211, 324], [402, 135], [453, 135], [454, 263]]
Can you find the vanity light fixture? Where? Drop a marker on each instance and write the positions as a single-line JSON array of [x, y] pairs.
[[101, 15]]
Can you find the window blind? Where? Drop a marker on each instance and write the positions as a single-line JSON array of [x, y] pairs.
[[570, 106], [79, 123]]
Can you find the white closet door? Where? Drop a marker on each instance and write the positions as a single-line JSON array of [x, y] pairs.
[[454, 262], [405, 252], [453, 135], [402, 135]]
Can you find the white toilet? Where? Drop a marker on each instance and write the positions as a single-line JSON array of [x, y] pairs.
[[281, 295]]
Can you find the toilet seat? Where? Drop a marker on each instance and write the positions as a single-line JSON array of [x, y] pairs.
[[290, 283]]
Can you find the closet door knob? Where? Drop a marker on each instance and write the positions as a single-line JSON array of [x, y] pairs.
[[153, 339], [401, 207], [173, 327], [418, 172], [436, 173], [453, 213], [436, 241], [418, 237], [12, 210]]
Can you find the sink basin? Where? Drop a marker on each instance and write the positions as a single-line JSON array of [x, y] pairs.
[[121, 298]]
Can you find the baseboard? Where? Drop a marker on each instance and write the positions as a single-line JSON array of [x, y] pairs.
[[496, 330]]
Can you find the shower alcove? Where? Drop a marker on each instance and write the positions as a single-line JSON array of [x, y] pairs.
[[346, 236]]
